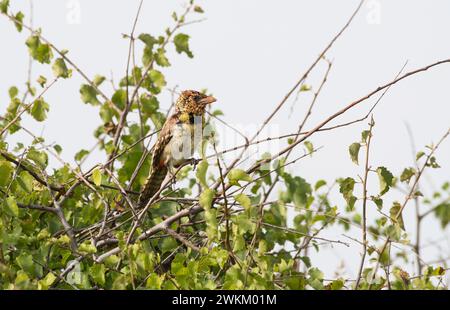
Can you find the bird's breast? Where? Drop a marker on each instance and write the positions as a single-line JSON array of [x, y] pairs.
[[185, 139]]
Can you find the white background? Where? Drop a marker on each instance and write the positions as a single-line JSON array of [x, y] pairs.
[[249, 54]]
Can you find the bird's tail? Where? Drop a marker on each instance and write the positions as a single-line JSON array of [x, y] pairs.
[[152, 185]]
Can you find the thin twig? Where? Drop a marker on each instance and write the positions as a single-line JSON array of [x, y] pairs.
[[407, 198], [27, 107], [61, 54], [364, 203], [345, 109]]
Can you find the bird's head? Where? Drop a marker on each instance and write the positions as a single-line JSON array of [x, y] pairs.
[[193, 102]]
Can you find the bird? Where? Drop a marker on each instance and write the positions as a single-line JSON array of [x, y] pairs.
[[177, 140]]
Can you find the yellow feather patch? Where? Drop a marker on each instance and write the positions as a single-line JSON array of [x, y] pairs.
[[184, 117]]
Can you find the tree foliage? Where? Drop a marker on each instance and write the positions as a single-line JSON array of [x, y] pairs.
[[220, 227]]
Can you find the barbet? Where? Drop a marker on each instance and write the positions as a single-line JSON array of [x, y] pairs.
[[177, 140]]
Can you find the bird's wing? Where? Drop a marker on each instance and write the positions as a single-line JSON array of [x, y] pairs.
[[159, 163], [164, 138]]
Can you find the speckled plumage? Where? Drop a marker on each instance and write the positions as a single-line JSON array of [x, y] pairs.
[[177, 134], [189, 102]]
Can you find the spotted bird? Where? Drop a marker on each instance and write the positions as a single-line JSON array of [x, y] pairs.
[[177, 140]]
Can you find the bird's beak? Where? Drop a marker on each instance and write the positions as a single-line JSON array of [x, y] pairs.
[[207, 100]]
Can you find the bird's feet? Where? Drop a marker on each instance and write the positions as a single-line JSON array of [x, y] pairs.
[[194, 161]]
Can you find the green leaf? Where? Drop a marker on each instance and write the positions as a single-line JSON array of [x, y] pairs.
[[206, 198], [337, 284], [442, 212], [202, 167], [89, 94], [41, 80], [40, 52], [87, 247], [315, 278], [14, 106], [97, 272], [13, 92], [417, 194], [438, 271], [157, 78], [354, 151], [120, 99], [212, 225], [148, 40], [98, 80], [407, 174], [319, 184], [106, 113], [217, 112], [299, 190], [198, 9], [306, 260], [378, 202], [60, 69], [63, 240], [346, 189], [161, 59], [40, 158], [265, 166], [154, 82], [133, 78], [158, 119], [6, 171], [80, 155], [181, 42], [45, 283], [396, 215], [25, 181], [305, 87], [149, 104], [31, 89], [11, 206], [385, 177], [236, 175], [315, 273], [57, 148], [419, 155], [168, 245], [39, 110], [147, 58], [309, 146], [97, 176], [18, 21], [4, 4], [22, 279], [244, 201], [154, 282], [25, 261], [364, 135], [433, 163]]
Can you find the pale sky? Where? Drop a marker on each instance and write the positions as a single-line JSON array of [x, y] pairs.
[[249, 54]]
